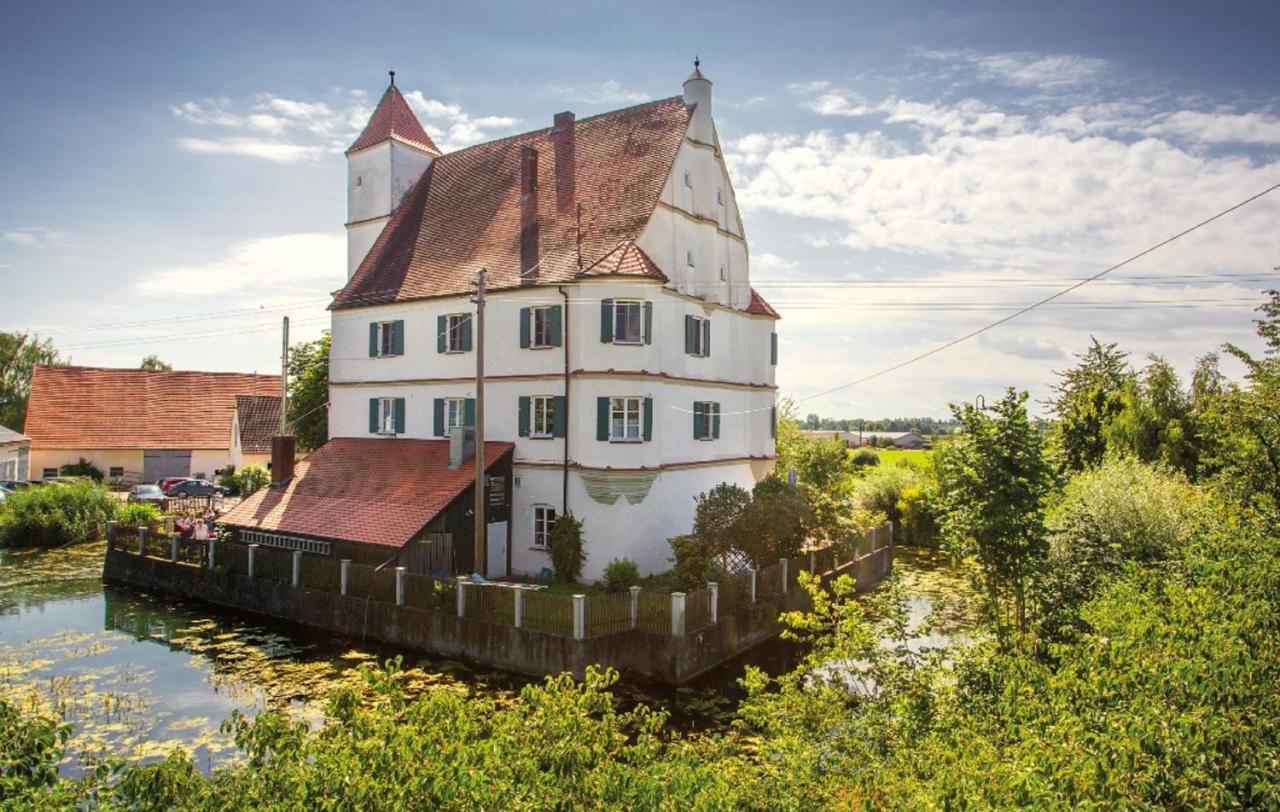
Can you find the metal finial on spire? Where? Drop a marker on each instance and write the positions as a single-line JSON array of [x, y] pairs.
[[393, 77], [696, 62]]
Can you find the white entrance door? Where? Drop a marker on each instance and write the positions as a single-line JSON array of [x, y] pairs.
[[496, 553]]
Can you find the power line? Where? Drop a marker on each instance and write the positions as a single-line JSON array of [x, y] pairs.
[[1044, 301]]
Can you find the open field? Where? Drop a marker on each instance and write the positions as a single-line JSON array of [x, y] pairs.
[[921, 459]]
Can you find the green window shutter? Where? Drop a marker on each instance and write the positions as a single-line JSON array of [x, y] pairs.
[[373, 339], [466, 332], [525, 319], [647, 417], [523, 426], [706, 337], [442, 333], [697, 418], [397, 337], [648, 322], [689, 326], [469, 412], [773, 421], [373, 415], [602, 419], [559, 415], [438, 410], [399, 415], [553, 317], [715, 421], [773, 349], [606, 322]]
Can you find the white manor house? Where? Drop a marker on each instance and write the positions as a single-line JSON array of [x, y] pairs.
[[629, 365]]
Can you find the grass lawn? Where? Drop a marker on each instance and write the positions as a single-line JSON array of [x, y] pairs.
[[920, 459]]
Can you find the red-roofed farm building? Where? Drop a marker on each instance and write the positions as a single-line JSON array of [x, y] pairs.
[[138, 425]]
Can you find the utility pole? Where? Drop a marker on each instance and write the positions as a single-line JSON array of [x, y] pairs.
[[480, 546], [284, 378]]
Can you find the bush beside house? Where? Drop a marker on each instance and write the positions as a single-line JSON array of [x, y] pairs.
[[54, 515]]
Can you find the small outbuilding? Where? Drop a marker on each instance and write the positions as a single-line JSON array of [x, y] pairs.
[[15, 453]]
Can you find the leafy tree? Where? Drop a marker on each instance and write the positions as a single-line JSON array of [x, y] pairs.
[[718, 515], [993, 478], [775, 522], [152, 363], [880, 490], [309, 392], [1156, 423], [20, 354], [250, 479], [81, 467], [1086, 398], [567, 551]]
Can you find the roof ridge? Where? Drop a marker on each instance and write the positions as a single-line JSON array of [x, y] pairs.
[[96, 368]]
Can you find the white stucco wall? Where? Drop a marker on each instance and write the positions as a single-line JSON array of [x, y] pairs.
[[377, 180], [13, 460], [203, 461]]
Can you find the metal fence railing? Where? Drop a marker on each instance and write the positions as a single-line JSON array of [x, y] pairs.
[[232, 557], [492, 603], [735, 594], [607, 614], [193, 551], [655, 612], [769, 581], [431, 594], [319, 573], [273, 564], [697, 610]]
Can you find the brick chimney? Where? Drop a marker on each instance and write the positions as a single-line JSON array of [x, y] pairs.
[[282, 452], [529, 215], [564, 139]]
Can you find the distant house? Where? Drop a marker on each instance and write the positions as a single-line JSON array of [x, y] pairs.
[[854, 439], [15, 449], [408, 503], [135, 425], [254, 422]]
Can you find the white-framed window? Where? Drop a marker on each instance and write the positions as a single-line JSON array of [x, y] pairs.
[[705, 414], [699, 333], [540, 327], [628, 321], [115, 471], [624, 420], [48, 473], [386, 338], [386, 415], [544, 518], [688, 179], [455, 325], [719, 197], [455, 410], [542, 413], [723, 276], [688, 257]]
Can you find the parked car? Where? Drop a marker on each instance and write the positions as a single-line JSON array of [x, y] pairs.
[[196, 487], [147, 493], [165, 483]]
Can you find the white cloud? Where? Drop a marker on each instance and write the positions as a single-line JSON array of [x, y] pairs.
[[1027, 69], [34, 237], [313, 262], [451, 127], [275, 151], [1223, 127], [607, 92]]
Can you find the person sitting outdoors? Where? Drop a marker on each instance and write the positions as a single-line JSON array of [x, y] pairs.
[[201, 530]]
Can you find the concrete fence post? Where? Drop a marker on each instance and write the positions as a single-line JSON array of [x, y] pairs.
[[517, 600], [213, 556], [677, 614], [784, 562], [891, 529], [142, 541], [579, 617], [400, 571], [112, 528], [635, 607], [813, 561], [754, 573], [462, 596], [344, 576], [253, 554], [297, 568], [173, 548], [714, 588]]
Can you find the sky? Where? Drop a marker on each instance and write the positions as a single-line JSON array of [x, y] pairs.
[[173, 178]]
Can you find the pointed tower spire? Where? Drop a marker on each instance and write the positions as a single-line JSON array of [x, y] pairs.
[[394, 119]]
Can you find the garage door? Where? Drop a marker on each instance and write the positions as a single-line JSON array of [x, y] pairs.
[[159, 464]]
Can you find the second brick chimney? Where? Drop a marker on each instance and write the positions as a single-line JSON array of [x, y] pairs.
[[528, 215], [282, 453], [563, 138]]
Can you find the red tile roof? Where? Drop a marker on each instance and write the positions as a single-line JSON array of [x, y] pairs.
[[628, 259], [760, 307], [92, 407], [392, 117], [369, 490], [465, 212], [258, 419]]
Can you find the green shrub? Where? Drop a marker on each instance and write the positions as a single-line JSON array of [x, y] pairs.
[[918, 510], [775, 523], [53, 515], [717, 517], [694, 562], [138, 514], [227, 479], [251, 478], [882, 488], [865, 458], [82, 468], [620, 575], [565, 545]]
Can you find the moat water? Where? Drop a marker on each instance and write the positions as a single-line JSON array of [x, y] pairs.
[[137, 674]]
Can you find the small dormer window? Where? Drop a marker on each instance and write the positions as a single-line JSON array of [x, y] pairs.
[[719, 197], [722, 276], [688, 179], [688, 257]]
